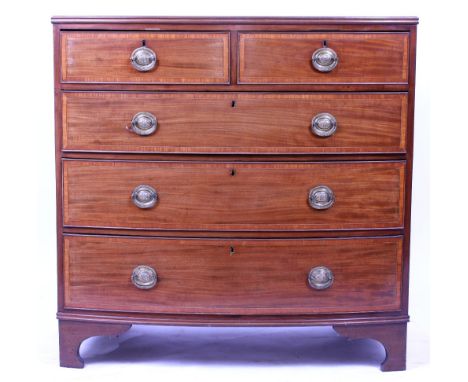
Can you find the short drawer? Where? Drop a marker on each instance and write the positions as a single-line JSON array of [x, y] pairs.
[[350, 58], [233, 196], [235, 123], [178, 58], [233, 276]]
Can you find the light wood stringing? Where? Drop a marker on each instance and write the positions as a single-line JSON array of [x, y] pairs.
[[279, 58], [256, 123], [182, 57], [261, 196], [261, 277]]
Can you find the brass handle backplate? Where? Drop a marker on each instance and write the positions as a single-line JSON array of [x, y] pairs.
[[324, 125], [324, 59], [320, 278], [144, 196], [144, 277], [321, 197], [143, 59], [144, 123]]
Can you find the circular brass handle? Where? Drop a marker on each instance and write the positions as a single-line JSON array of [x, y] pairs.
[[324, 125], [324, 59], [143, 59], [321, 197], [320, 278], [144, 196], [144, 277], [144, 123]]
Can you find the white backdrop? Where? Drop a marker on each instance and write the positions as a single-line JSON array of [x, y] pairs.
[[27, 257]]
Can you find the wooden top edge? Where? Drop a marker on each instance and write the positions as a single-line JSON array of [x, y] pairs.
[[232, 20]]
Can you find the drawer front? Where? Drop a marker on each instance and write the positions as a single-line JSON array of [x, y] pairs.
[[233, 277], [181, 58], [234, 196], [279, 58], [235, 123]]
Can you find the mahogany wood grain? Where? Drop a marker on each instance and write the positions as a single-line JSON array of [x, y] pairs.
[[260, 196], [73, 333], [235, 122], [286, 57], [233, 276], [104, 57], [210, 69], [391, 336]]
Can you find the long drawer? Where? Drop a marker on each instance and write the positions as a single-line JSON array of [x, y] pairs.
[[233, 196], [233, 276], [176, 57], [346, 58], [235, 123]]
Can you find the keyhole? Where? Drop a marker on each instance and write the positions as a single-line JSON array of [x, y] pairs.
[[324, 43], [233, 103], [233, 171], [231, 251], [143, 42]]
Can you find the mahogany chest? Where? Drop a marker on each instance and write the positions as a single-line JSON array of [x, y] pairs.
[[236, 172]]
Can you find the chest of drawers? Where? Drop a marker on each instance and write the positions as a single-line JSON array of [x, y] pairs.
[[234, 172]]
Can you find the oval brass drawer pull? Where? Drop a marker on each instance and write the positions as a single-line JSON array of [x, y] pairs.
[[143, 59], [320, 278], [144, 123], [144, 277], [324, 125], [324, 59], [144, 196], [321, 197]]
